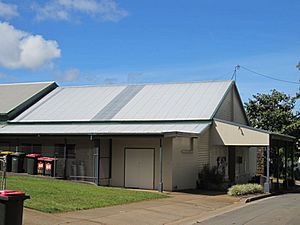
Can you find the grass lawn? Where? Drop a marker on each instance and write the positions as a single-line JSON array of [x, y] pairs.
[[50, 195]]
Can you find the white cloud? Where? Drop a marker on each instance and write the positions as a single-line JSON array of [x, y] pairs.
[[8, 11], [106, 10], [19, 49], [68, 75]]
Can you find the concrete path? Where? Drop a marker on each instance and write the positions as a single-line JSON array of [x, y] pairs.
[[180, 208]]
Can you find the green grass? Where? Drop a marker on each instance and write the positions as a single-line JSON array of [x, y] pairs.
[[244, 189], [50, 195]]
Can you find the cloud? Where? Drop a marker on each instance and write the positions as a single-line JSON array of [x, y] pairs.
[[8, 11], [69, 75], [19, 49], [106, 10]]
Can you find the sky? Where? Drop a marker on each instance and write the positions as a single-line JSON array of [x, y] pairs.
[[88, 42]]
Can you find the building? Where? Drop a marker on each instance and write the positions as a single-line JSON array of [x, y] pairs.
[[151, 136]]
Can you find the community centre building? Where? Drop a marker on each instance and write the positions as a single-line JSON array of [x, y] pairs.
[[150, 136]]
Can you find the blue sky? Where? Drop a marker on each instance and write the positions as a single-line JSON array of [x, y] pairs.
[[77, 42]]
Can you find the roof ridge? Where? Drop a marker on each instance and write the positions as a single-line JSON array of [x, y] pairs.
[[165, 83], [23, 83]]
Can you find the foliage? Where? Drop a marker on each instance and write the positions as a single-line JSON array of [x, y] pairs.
[[274, 112], [244, 189], [49, 195], [210, 178]]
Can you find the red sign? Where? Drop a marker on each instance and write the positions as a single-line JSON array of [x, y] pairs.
[[40, 165], [48, 166]]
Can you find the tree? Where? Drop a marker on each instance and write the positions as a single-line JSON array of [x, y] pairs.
[[274, 112]]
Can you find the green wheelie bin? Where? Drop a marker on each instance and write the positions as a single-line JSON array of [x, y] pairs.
[[32, 163], [17, 163]]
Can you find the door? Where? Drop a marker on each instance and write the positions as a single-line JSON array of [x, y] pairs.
[[231, 163], [139, 168]]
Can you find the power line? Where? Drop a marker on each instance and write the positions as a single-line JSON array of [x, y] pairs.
[[266, 76]]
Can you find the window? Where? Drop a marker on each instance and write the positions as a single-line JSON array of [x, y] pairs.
[[60, 149], [71, 151], [4, 146], [30, 148]]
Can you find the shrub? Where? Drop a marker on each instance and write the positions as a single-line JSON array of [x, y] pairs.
[[244, 189], [210, 178]]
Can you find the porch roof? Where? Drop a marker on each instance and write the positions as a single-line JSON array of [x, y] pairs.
[[106, 128], [234, 134]]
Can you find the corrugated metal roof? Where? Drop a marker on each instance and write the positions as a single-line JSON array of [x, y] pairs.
[[177, 101], [12, 95], [105, 128]]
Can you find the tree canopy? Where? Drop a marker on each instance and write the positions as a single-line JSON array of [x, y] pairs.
[[274, 112]]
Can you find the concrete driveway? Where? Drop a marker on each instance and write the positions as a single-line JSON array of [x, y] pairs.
[[180, 208]]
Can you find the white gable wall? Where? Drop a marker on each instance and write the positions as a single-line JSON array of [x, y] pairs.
[[231, 109]]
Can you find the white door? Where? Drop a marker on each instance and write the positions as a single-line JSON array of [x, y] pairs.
[[139, 168]]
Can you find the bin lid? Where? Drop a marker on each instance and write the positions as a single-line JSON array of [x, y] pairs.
[[42, 158], [46, 159], [11, 193], [50, 159], [18, 154], [6, 153], [33, 155]]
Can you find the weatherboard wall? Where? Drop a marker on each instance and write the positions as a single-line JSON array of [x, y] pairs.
[[231, 109], [189, 157]]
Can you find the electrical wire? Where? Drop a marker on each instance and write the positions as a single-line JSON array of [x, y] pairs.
[[268, 76]]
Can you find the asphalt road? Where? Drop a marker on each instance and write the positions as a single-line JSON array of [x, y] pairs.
[[279, 210]]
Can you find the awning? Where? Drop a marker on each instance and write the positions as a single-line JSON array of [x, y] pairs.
[[137, 128], [232, 134]]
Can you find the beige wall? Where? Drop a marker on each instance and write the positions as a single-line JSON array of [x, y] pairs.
[[189, 157], [215, 152], [242, 172]]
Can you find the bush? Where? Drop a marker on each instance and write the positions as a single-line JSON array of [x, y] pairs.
[[210, 178], [244, 189]]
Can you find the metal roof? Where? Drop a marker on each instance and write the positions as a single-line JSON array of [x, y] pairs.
[[148, 102], [153, 128], [16, 97]]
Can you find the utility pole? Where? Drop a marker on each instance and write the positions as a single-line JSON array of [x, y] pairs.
[[236, 68]]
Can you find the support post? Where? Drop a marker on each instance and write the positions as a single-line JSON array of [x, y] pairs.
[[286, 165], [65, 159], [161, 186], [98, 161], [292, 159], [110, 157], [267, 183]]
